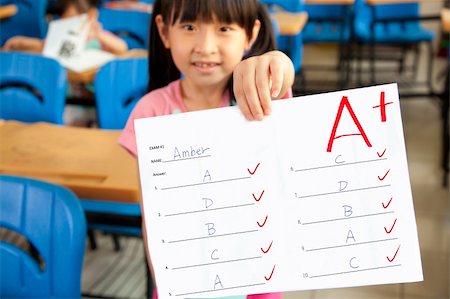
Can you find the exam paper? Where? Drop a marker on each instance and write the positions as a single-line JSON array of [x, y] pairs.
[[66, 42], [317, 195]]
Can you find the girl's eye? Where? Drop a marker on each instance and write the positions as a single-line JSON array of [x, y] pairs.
[[188, 27], [225, 29]]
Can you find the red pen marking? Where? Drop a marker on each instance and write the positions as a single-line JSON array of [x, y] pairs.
[[387, 205], [382, 154], [384, 176], [259, 198], [392, 227], [268, 278], [266, 251], [382, 107], [253, 172], [393, 258], [261, 225]]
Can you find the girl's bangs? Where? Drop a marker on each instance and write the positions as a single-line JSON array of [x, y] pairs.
[[241, 12]]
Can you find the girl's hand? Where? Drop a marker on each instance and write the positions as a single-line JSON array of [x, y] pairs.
[[259, 79], [24, 43]]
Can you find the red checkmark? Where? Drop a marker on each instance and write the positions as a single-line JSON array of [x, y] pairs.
[[382, 154], [266, 251], [259, 198], [261, 225], [271, 273], [392, 227], [384, 176], [387, 205], [253, 172], [393, 258]]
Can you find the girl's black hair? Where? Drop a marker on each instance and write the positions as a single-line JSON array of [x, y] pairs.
[[162, 69], [59, 6]]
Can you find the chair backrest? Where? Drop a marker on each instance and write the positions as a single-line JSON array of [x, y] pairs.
[[130, 25], [28, 21], [363, 16], [51, 219], [327, 23], [32, 88], [118, 86], [288, 5]]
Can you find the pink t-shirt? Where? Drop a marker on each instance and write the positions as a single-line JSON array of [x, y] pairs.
[[162, 101]]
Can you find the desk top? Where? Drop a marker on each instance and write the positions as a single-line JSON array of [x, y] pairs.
[[330, 2], [88, 161], [7, 11], [376, 2], [290, 23], [89, 75], [445, 15]]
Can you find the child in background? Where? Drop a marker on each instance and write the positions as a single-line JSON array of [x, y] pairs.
[[97, 39], [76, 115], [225, 51]]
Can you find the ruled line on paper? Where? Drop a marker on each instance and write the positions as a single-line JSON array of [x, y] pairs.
[[214, 236], [354, 271], [215, 263], [352, 244], [207, 210], [206, 183], [344, 191], [228, 288], [191, 158], [342, 164], [350, 217]]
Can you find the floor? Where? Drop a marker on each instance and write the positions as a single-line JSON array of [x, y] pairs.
[[121, 274]]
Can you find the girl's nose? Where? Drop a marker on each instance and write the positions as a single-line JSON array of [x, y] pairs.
[[206, 42]]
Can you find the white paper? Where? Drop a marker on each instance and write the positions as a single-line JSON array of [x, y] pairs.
[[87, 60], [66, 42], [237, 207], [66, 37]]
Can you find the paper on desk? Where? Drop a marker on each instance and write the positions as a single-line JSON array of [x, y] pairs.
[[315, 196], [66, 42]]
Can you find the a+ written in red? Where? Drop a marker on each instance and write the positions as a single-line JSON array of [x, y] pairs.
[[253, 172]]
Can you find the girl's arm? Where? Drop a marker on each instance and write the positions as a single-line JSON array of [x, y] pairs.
[[111, 42], [259, 79], [24, 44]]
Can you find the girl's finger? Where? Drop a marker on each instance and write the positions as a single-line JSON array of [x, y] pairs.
[[251, 94], [277, 77], [263, 87], [240, 96]]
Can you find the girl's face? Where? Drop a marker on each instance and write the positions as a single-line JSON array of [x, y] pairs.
[[206, 53]]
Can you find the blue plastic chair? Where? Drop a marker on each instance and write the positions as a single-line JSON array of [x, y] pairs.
[[29, 20], [327, 23], [291, 45], [116, 97], [330, 23], [51, 219], [130, 25], [32, 88], [382, 24]]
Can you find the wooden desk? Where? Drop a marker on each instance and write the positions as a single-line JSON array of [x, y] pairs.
[[89, 76], [290, 23], [330, 2], [375, 2], [7, 11], [88, 161], [445, 16]]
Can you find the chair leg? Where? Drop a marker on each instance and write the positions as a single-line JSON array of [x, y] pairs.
[[116, 242], [92, 240]]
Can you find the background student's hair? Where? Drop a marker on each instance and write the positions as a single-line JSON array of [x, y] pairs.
[[59, 6], [162, 69]]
